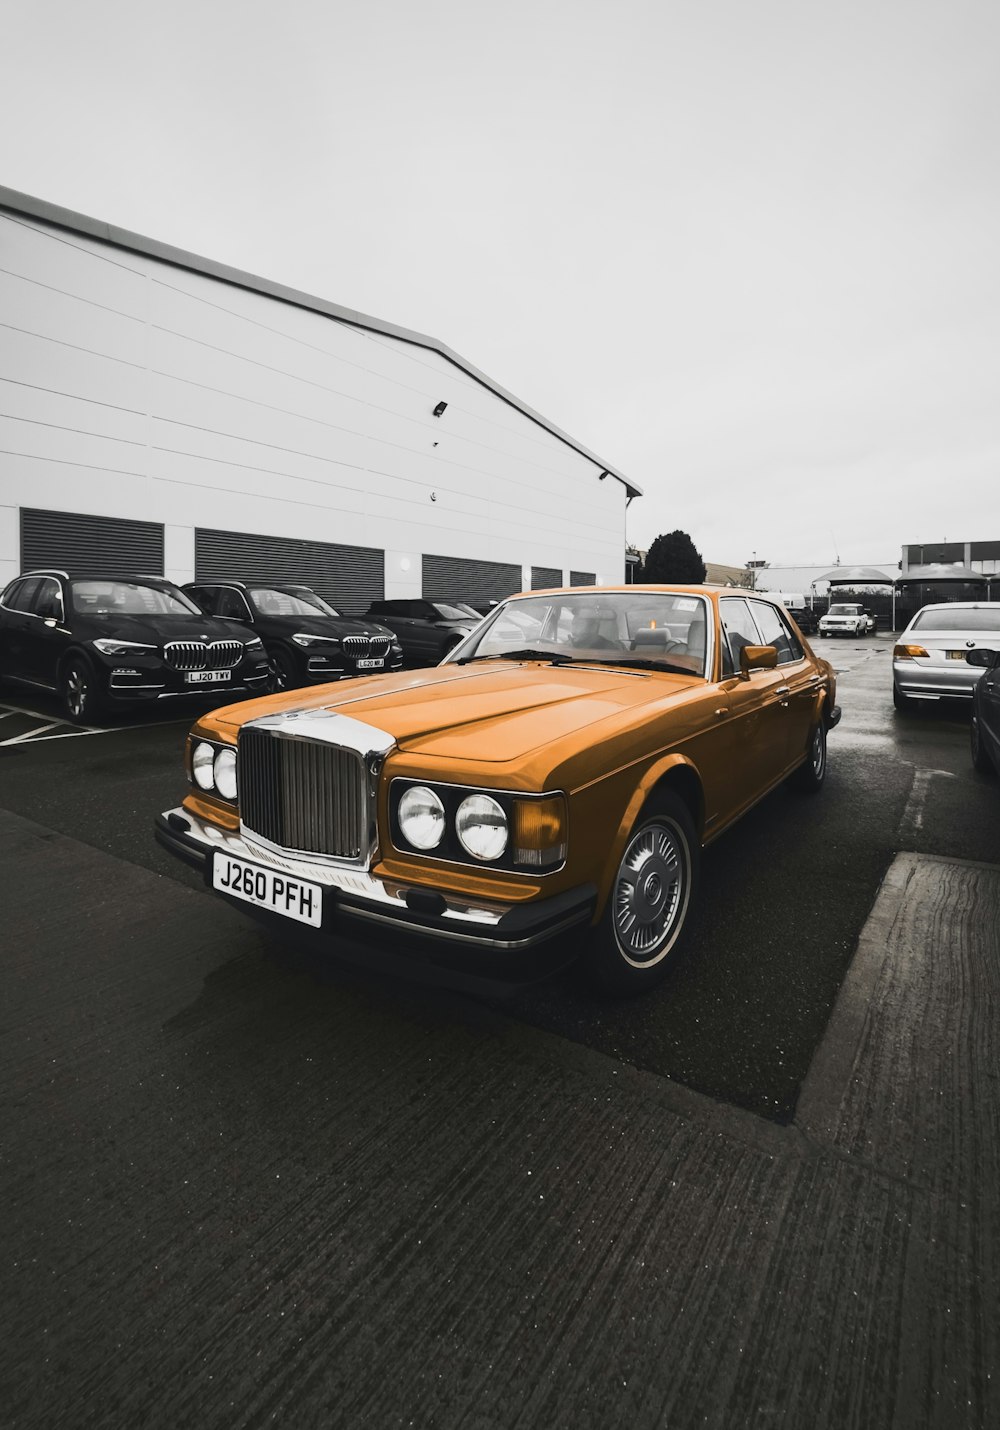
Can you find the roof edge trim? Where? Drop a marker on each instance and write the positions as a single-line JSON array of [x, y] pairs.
[[31, 207]]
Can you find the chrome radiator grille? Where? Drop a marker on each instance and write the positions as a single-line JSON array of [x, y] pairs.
[[359, 647], [196, 655], [303, 795]]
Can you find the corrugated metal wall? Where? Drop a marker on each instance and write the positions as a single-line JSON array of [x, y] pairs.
[[102, 545], [583, 578], [545, 577], [349, 577], [454, 578]]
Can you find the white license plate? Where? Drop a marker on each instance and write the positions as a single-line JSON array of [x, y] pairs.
[[268, 889], [370, 664], [205, 677], [955, 654]]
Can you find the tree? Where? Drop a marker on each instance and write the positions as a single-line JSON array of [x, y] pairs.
[[674, 557]]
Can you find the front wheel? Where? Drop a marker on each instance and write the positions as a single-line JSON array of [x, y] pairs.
[[647, 910], [283, 674], [81, 696]]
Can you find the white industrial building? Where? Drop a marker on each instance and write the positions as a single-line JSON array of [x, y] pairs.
[[162, 413]]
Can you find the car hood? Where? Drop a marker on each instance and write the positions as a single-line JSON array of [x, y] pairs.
[[155, 630], [489, 713]]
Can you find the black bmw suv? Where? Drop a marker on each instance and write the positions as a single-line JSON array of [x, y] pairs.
[[307, 641], [427, 630], [100, 641]]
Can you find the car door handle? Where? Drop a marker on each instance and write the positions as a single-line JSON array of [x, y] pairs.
[[782, 690]]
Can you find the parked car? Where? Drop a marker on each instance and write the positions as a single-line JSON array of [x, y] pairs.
[[984, 726], [307, 641], [848, 619], [100, 642], [562, 767], [805, 618], [929, 659], [427, 630]]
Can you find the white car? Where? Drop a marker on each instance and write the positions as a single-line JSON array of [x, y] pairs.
[[929, 658], [847, 620]]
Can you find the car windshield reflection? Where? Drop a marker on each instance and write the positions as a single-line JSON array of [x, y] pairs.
[[648, 630]]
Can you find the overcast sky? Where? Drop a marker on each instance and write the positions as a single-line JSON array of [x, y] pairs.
[[746, 251]]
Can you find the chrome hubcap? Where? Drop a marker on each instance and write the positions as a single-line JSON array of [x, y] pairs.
[[650, 892], [818, 752]]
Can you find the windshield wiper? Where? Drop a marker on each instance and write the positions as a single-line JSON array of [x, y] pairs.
[[639, 663], [553, 657]]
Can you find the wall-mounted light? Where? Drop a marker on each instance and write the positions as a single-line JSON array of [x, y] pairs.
[[404, 563], [603, 475], [440, 408]]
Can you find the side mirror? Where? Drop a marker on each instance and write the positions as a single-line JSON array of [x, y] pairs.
[[757, 657], [983, 657]]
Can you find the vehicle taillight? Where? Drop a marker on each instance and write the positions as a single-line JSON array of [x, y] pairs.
[[908, 652]]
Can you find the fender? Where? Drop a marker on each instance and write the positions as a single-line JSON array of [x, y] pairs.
[[655, 773]]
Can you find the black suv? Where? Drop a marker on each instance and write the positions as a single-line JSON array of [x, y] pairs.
[[427, 630], [307, 641], [100, 641], [805, 618]]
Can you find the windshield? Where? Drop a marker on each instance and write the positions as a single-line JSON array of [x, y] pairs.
[[468, 611], [130, 598], [454, 613], [845, 611], [272, 602], [655, 630], [955, 618]]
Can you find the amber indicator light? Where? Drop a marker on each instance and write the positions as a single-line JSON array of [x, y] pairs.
[[540, 831]]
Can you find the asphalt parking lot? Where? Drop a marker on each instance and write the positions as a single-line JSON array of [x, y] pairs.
[[784, 896], [239, 1193]]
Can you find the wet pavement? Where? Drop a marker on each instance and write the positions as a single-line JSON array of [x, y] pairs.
[[236, 1194]]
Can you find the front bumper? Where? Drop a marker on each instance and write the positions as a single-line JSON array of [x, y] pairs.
[[139, 681], [354, 900]]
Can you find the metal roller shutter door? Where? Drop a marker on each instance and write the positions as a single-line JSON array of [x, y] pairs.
[[454, 578], [544, 577], [583, 578], [349, 577], [104, 545]]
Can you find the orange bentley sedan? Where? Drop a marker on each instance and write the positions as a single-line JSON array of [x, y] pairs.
[[561, 769]]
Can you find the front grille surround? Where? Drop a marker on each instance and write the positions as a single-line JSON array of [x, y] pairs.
[[203, 655], [305, 796]]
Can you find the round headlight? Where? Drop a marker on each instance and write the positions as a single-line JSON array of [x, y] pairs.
[[421, 817], [202, 761], [481, 826], [225, 773]]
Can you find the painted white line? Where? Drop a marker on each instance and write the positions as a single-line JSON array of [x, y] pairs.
[[32, 739], [20, 710], [18, 739], [8, 713]]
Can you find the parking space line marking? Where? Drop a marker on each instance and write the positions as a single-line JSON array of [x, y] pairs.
[[19, 710], [18, 739]]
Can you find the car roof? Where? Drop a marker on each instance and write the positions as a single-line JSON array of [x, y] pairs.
[[959, 606]]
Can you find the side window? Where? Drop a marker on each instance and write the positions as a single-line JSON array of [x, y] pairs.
[[231, 603], [737, 627], [12, 596], [203, 596], [23, 598], [775, 631], [48, 600]]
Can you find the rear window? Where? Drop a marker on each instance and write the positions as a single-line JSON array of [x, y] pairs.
[[958, 618]]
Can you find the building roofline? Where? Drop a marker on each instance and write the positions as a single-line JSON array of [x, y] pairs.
[[31, 207]]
